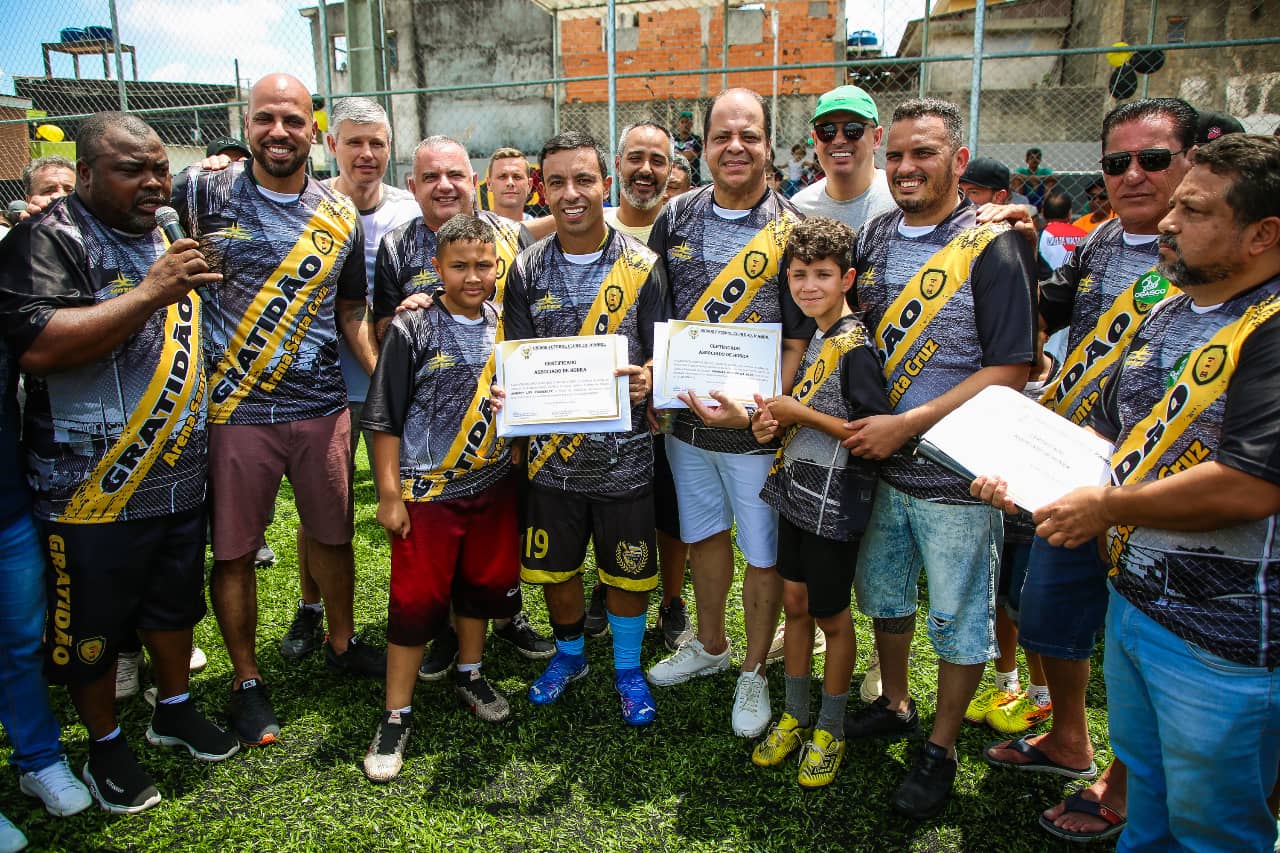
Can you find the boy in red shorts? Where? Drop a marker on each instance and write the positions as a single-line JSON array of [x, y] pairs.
[[444, 491]]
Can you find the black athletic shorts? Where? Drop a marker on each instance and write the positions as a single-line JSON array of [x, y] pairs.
[[664, 490], [826, 566], [558, 525], [106, 580]]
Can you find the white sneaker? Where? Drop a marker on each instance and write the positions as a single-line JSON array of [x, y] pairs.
[[690, 661], [128, 674], [199, 660], [11, 838], [871, 685], [62, 793], [751, 711]]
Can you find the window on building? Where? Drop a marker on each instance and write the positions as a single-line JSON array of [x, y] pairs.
[[1177, 30], [339, 53]]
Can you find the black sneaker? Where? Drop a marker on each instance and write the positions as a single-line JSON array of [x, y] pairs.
[[597, 621], [116, 781], [385, 757], [876, 720], [252, 720], [358, 659], [305, 634], [478, 695], [673, 622], [438, 662], [927, 788], [182, 725], [528, 642]]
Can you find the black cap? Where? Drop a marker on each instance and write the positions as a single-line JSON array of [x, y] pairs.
[[1211, 124], [986, 172], [226, 143]]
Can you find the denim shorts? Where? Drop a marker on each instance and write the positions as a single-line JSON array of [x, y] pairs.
[[958, 546], [715, 489], [1064, 601]]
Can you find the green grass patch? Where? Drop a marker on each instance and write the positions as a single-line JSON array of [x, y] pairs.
[[567, 777]]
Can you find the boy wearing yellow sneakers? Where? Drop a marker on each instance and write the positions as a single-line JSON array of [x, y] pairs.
[[821, 493]]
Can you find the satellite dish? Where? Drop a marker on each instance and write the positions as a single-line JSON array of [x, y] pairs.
[[50, 133], [1124, 82], [1147, 61]]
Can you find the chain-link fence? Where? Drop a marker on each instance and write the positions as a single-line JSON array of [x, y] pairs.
[[495, 73]]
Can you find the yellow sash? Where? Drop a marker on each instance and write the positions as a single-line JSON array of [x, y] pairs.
[[474, 434], [1098, 351], [167, 412], [823, 366], [1202, 378], [617, 293], [296, 285], [940, 278], [508, 246], [732, 290]]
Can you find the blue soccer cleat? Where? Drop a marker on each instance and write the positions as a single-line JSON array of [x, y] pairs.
[[638, 708], [556, 677]]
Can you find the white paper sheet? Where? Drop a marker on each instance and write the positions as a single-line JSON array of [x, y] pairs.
[[757, 347], [542, 410]]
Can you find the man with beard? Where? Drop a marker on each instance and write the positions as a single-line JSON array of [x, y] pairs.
[[689, 145], [951, 311], [444, 185], [290, 251], [722, 248], [106, 323], [1190, 520]]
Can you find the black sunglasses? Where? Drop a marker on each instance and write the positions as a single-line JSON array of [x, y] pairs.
[[1150, 159], [826, 131]]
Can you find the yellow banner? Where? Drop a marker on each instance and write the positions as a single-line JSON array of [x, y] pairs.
[[1202, 378], [1097, 351], [296, 286], [940, 278], [618, 292], [817, 373], [732, 290], [168, 409]]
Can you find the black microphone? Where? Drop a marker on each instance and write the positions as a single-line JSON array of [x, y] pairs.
[[167, 220]]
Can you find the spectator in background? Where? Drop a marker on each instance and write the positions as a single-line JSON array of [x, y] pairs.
[[679, 182], [1018, 183], [228, 146], [1098, 210], [773, 177], [47, 178], [689, 145], [795, 171], [509, 183], [1059, 237], [1211, 125], [985, 181], [1035, 174]]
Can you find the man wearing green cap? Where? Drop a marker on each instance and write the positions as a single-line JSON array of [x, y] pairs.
[[846, 133], [689, 145]]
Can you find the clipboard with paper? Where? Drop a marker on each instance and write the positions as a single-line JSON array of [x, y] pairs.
[[1000, 432]]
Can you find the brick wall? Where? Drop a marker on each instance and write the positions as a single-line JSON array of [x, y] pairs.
[[674, 40]]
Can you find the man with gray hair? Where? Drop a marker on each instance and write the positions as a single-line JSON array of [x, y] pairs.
[[359, 138], [46, 178]]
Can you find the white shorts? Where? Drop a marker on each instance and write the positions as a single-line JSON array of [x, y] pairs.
[[714, 489]]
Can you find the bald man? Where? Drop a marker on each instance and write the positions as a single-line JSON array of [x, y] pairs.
[[291, 251]]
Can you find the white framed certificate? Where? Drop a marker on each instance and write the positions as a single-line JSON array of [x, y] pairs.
[[739, 359], [563, 385]]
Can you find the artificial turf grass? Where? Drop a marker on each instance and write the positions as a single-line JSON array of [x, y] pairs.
[[570, 776]]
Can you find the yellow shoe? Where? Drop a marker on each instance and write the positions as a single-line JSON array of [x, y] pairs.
[[985, 702], [783, 739], [1018, 716], [821, 759]]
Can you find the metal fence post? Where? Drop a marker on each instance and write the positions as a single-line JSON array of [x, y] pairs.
[[975, 85], [115, 43]]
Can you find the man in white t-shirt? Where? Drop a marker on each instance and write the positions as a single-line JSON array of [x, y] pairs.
[[846, 133]]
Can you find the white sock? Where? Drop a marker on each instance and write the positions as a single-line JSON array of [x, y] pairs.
[[467, 667], [1038, 693], [1008, 681]]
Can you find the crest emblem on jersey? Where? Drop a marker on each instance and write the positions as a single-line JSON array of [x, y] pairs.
[[323, 241], [632, 556], [613, 297], [440, 361], [502, 267], [91, 649], [754, 264], [1209, 364], [932, 282]]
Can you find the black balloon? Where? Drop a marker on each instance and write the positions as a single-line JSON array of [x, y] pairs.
[[1147, 61], [1124, 82]]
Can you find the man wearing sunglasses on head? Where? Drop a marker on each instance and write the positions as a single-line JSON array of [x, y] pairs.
[[1101, 294], [846, 133]]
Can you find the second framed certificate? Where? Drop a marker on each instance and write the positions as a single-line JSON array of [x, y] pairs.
[[740, 359], [563, 385]]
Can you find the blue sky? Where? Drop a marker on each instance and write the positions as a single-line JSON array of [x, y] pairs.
[[175, 41]]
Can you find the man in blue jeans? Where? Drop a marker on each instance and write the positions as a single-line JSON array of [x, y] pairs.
[[24, 700], [1190, 524]]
